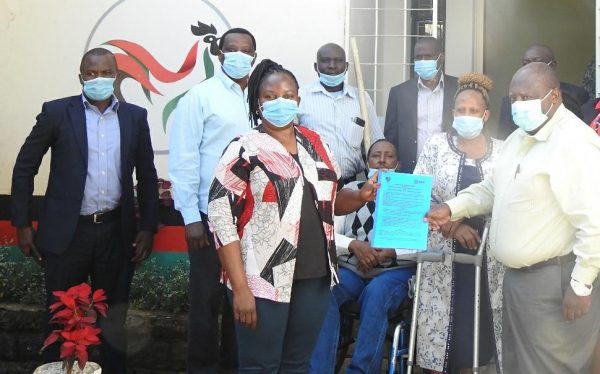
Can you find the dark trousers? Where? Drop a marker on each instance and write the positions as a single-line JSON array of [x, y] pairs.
[[207, 299], [97, 251], [286, 333]]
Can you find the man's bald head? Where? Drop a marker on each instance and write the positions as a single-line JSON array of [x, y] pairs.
[[96, 52], [533, 81], [330, 49], [431, 43], [539, 53], [536, 75]]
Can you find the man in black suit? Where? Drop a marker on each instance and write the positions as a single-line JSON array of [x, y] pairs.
[[421, 106], [573, 96], [87, 224]]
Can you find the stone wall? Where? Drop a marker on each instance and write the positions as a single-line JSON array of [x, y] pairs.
[[156, 341]]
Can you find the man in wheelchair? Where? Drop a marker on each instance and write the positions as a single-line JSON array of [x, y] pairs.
[[372, 277]]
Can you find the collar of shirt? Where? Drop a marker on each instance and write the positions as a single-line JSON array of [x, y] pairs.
[[227, 81], [318, 87], [421, 86], [114, 105], [544, 133]]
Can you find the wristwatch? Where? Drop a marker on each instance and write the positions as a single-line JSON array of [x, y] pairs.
[[581, 289]]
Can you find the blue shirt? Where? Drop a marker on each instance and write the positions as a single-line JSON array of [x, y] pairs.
[[207, 118], [103, 181]]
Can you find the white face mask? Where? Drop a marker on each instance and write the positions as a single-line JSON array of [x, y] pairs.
[[468, 127], [528, 115], [374, 170]]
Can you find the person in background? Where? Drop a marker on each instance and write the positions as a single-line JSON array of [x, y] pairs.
[[271, 208], [576, 96], [211, 114], [87, 226], [545, 229], [445, 318], [371, 276], [422, 106], [331, 107]]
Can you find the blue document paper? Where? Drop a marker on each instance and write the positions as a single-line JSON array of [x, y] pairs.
[[401, 204]]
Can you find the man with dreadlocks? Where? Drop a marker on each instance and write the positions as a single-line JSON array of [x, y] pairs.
[[207, 118]]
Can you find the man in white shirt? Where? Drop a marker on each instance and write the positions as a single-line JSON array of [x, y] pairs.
[[422, 106], [207, 118], [545, 228], [331, 107]]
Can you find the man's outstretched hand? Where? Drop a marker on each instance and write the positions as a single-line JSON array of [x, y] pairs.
[[438, 216]]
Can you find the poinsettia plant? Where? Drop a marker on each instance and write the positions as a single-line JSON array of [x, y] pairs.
[[76, 310]]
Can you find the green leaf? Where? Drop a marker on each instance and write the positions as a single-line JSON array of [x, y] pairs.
[[209, 67], [169, 108]]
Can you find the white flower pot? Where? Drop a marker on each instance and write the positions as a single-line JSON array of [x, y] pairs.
[[57, 368]]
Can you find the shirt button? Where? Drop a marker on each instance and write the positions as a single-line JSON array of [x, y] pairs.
[[102, 191], [103, 173], [102, 153], [102, 135]]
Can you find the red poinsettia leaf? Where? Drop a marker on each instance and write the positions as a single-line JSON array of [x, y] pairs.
[[67, 349], [99, 295], [65, 313], [51, 339], [67, 300], [88, 320], [101, 308], [54, 307], [82, 356]]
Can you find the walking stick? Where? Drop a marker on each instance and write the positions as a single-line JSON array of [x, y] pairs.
[[361, 94]]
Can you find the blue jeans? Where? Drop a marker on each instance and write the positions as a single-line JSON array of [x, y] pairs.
[[285, 332], [378, 297]]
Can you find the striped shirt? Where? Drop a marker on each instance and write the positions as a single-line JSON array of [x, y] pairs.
[[430, 111], [331, 114], [102, 190]]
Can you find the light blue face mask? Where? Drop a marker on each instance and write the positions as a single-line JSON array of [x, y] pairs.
[[332, 80], [468, 127], [279, 112], [372, 171], [99, 89], [237, 64], [426, 69], [528, 115]]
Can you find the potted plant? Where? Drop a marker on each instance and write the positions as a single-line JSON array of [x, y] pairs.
[[76, 311]]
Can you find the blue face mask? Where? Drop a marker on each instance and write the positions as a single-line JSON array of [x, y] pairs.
[[237, 64], [99, 89], [426, 69], [332, 80], [468, 127], [372, 171], [279, 112], [528, 114]]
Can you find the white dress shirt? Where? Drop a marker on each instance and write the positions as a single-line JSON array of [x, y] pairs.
[[330, 114], [544, 194], [207, 118], [430, 111]]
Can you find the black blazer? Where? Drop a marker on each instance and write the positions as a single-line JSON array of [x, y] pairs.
[[574, 97], [61, 127], [401, 118]]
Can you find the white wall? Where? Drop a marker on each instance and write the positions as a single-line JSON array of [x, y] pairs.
[[42, 42]]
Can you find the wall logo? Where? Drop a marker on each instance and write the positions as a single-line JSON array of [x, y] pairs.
[[162, 49]]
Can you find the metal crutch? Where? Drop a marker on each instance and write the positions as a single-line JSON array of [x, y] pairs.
[[477, 260], [419, 259]]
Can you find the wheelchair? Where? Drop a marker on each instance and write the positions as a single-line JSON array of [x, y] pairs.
[[397, 337]]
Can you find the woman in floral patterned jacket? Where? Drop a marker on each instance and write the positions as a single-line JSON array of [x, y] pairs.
[[271, 209], [445, 318]]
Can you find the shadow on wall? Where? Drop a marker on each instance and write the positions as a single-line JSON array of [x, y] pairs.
[[568, 27]]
